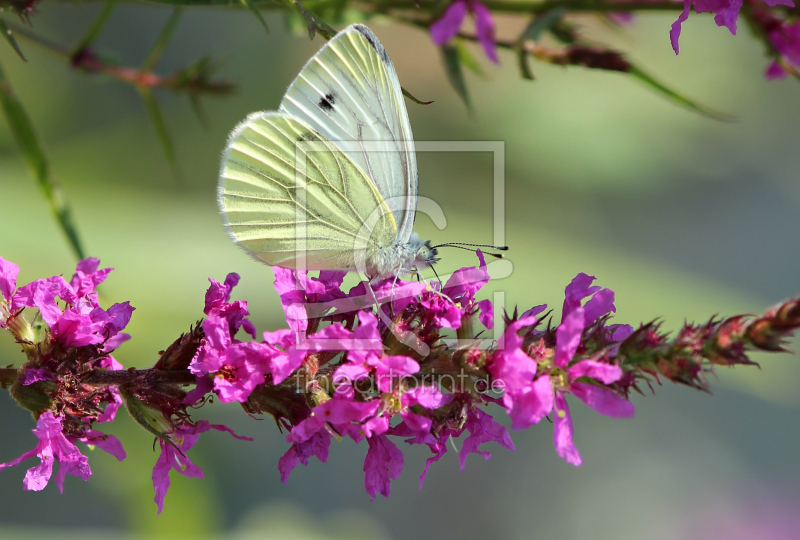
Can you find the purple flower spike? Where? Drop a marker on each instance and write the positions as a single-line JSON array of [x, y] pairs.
[[53, 446], [567, 374], [726, 14]]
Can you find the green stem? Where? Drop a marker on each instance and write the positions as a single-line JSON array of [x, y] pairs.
[[148, 377], [94, 30]]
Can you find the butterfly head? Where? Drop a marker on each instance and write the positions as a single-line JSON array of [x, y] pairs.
[[425, 256]]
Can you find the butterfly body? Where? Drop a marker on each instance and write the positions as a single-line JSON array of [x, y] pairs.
[[402, 258], [329, 180]]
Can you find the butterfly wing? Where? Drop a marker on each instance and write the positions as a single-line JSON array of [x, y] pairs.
[[291, 199], [349, 93]]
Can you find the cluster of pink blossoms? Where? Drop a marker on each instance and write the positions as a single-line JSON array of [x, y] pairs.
[[72, 343], [358, 387], [81, 326], [395, 361], [783, 34]]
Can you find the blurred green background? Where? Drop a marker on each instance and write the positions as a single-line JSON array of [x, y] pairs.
[[682, 216]]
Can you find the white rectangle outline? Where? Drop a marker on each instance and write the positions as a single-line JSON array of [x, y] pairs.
[[497, 149]]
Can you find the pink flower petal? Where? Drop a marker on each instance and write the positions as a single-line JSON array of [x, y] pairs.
[[36, 478], [375, 426], [416, 426], [429, 397], [447, 27], [439, 450], [528, 406], [486, 315], [512, 366], [8, 278], [533, 311], [42, 294], [306, 429], [484, 26], [226, 429], [384, 463], [87, 277], [299, 453], [568, 336], [482, 428], [107, 443], [605, 373], [603, 400], [675, 30], [35, 375], [599, 304], [389, 368], [578, 289], [112, 407], [775, 71], [562, 433]]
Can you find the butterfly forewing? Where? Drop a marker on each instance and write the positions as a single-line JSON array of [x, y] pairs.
[[291, 199], [349, 93]]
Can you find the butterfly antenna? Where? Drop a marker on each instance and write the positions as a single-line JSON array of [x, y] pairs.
[[462, 245], [435, 273]]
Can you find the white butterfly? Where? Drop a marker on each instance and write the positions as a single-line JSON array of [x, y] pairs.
[[329, 180]]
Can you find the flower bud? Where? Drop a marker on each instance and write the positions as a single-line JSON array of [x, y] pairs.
[[36, 397], [150, 418]]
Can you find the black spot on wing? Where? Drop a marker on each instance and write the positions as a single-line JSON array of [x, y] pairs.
[[326, 102]]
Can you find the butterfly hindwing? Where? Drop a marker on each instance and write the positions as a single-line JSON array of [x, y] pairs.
[[349, 93], [284, 189]]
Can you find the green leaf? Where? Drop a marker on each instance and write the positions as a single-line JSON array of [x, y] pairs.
[[415, 100], [532, 32], [524, 66], [466, 58], [254, 10], [540, 24], [154, 112], [162, 41], [94, 30], [147, 416], [9, 37], [314, 23], [32, 152], [452, 65], [678, 98]]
